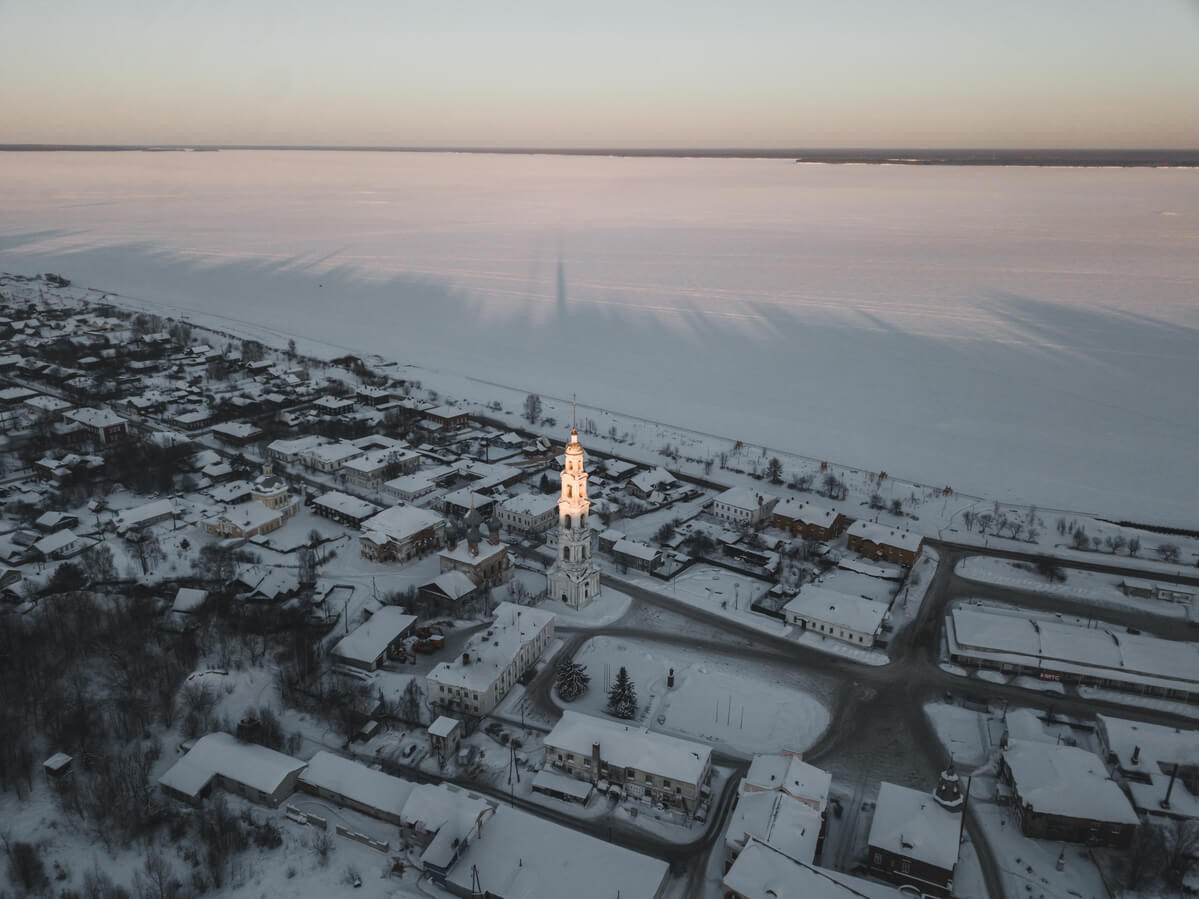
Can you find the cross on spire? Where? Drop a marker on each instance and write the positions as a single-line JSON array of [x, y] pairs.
[[573, 411]]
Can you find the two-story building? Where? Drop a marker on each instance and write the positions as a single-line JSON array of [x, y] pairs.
[[646, 765], [491, 661], [742, 506], [809, 520], [528, 513], [401, 533], [103, 426], [881, 541], [1065, 793]]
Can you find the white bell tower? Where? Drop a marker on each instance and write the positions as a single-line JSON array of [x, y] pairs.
[[574, 578]]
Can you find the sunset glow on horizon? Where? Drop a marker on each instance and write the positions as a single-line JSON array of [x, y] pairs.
[[538, 74]]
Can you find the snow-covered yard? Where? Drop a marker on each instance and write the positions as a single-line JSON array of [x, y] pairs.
[[964, 733], [733, 705], [1028, 866], [715, 590]]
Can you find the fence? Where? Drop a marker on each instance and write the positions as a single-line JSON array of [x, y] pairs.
[[361, 838]]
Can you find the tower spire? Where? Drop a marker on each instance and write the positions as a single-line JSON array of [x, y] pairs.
[[574, 402]]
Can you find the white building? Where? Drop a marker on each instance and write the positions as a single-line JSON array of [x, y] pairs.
[[650, 766], [776, 820], [401, 532], [528, 513], [788, 773], [329, 456], [290, 450], [854, 619], [492, 661], [574, 577], [740, 505], [372, 468], [1105, 656]]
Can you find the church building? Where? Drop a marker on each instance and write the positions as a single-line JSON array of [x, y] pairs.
[[574, 577]]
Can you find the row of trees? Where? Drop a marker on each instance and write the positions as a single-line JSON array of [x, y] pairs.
[[572, 681]]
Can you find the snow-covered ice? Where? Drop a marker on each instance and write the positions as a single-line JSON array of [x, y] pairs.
[[936, 322]]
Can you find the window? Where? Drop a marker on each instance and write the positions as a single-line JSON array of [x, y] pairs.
[[665, 782]]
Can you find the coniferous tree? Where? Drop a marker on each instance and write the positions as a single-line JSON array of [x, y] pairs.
[[622, 698], [572, 680]]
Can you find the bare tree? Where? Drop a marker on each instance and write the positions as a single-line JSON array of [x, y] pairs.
[[532, 408]]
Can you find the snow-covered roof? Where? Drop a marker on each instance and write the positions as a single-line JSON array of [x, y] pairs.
[[247, 516], [855, 613], [230, 491], [1067, 781], [1158, 744], [47, 403], [745, 499], [49, 520], [522, 856], [57, 762], [332, 453], [911, 824], [443, 726], [95, 418], [778, 820], [401, 522], [131, 518], [1023, 724], [295, 446], [347, 505], [188, 599], [445, 412], [647, 481], [1008, 635], [548, 779], [635, 549], [455, 584], [790, 773], [885, 534], [763, 872], [489, 655], [534, 504], [55, 542], [806, 512], [370, 639], [239, 430], [462, 553], [629, 746], [373, 460], [447, 811], [220, 753], [355, 781]]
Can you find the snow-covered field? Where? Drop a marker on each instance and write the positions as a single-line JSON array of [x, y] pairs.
[[1023, 333], [1088, 586], [728, 704], [716, 590]]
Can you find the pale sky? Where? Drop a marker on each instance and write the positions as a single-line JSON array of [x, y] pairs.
[[621, 73]]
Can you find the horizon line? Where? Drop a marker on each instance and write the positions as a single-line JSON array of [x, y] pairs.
[[897, 155]]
